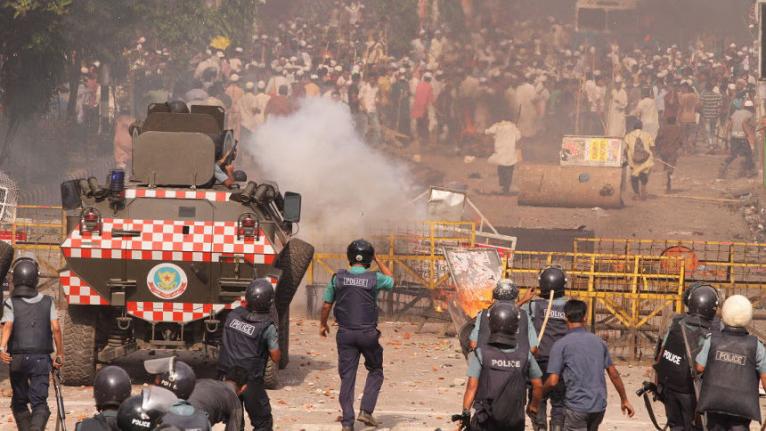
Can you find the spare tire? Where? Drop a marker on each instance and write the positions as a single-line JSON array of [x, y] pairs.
[[294, 260]]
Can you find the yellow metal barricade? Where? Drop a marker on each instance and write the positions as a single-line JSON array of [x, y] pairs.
[[631, 297]]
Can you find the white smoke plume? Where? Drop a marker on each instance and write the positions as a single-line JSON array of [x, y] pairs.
[[349, 189]]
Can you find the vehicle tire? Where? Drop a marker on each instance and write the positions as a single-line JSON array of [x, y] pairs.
[[294, 260], [271, 375], [6, 259], [78, 328], [284, 339]]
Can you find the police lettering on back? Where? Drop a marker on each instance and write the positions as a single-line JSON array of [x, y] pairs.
[[356, 281], [242, 327], [505, 363]]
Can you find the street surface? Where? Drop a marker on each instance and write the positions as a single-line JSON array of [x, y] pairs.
[[423, 387]]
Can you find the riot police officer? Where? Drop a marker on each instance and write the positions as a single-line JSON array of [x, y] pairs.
[[673, 364], [354, 293], [732, 363], [220, 399], [110, 388], [498, 373], [179, 378], [505, 291], [552, 281], [30, 328], [249, 339]]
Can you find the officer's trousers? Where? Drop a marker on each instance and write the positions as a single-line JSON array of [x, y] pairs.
[[556, 398], [257, 405], [680, 408], [351, 345], [30, 377], [720, 422]]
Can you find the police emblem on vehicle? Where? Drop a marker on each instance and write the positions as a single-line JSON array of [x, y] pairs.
[[167, 281]]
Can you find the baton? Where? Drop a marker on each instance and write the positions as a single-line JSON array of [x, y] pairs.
[[547, 315], [61, 413]]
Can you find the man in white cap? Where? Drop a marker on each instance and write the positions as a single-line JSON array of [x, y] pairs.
[[617, 105], [234, 91], [732, 363], [248, 112], [742, 127], [261, 100]]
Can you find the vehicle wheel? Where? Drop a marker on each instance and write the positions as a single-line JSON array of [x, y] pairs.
[[271, 375], [464, 337], [78, 327], [284, 339], [294, 260], [6, 259]]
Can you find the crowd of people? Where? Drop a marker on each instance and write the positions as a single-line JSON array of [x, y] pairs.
[[448, 90]]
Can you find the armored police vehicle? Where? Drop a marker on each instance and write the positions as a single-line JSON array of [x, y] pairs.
[[158, 255]]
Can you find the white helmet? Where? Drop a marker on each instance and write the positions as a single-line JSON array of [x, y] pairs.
[[737, 311]]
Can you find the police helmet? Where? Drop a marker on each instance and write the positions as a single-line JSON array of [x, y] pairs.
[[688, 293], [175, 376], [505, 290], [178, 107], [111, 387], [131, 415], [703, 301], [259, 295], [26, 272], [552, 278], [360, 251], [737, 311], [503, 323]]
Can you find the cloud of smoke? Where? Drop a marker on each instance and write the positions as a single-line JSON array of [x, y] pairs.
[[349, 189]]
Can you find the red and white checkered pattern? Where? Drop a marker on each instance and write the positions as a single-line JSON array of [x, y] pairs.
[[164, 240], [78, 292], [177, 194]]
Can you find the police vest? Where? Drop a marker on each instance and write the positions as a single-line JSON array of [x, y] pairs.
[[356, 305], [104, 421], [31, 327], [673, 368], [184, 416], [730, 382], [556, 328], [243, 342], [522, 334], [501, 395]]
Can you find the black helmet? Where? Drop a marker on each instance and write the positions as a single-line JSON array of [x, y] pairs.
[[503, 323], [259, 295], [178, 107], [176, 376], [131, 415], [360, 251], [111, 387], [143, 412], [703, 301], [552, 278], [26, 272], [505, 290]]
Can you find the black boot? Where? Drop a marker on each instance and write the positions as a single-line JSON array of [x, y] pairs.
[[22, 420], [39, 419]]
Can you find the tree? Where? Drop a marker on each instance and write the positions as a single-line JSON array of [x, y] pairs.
[[32, 60]]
